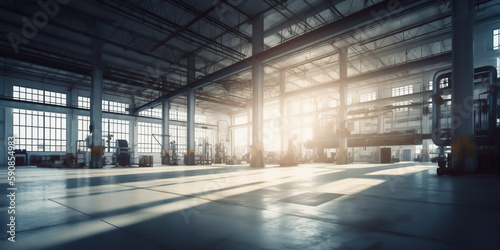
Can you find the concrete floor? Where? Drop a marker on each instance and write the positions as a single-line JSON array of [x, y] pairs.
[[312, 206]]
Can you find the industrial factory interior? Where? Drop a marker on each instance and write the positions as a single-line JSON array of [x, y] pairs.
[[249, 124]]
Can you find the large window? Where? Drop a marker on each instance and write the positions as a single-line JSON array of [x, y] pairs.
[[39, 131], [179, 135], [404, 103], [272, 112], [114, 107], [107, 106], [202, 135], [146, 143], [241, 119], [241, 141], [403, 90], [37, 95], [368, 97], [332, 102], [83, 127], [496, 39], [83, 102], [498, 67], [118, 128], [308, 105], [178, 115], [154, 112]]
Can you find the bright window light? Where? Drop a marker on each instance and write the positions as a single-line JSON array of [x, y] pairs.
[[368, 97], [496, 39], [39, 131], [40, 96]]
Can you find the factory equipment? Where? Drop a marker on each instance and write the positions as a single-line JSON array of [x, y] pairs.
[[165, 153], [271, 158], [220, 153], [67, 160], [290, 158], [205, 158], [122, 156], [486, 117], [234, 160], [21, 157], [173, 149], [108, 154], [83, 154], [146, 161]]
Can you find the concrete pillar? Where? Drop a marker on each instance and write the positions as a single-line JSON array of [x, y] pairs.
[[463, 143], [3, 132], [191, 101], [342, 111], [96, 102], [283, 114], [165, 141], [72, 123], [258, 94], [380, 124], [249, 133], [134, 138]]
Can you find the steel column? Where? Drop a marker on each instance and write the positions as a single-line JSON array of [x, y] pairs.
[[463, 143], [258, 94], [342, 111], [5, 122], [165, 132], [72, 123], [191, 101], [96, 102], [283, 113]]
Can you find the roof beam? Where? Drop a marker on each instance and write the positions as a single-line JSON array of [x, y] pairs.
[[443, 58], [375, 13]]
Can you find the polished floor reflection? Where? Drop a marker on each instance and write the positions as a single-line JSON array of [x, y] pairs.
[[311, 206]]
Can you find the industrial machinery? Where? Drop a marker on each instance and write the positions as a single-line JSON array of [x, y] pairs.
[[486, 121], [233, 160], [67, 160], [173, 149], [122, 155], [205, 156], [83, 154], [108, 154], [165, 153], [271, 158], [146, 161], [290, 158], [326, 137], [220, 153]]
